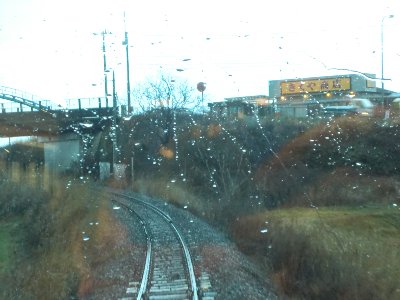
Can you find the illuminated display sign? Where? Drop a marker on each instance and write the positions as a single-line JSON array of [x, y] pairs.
[[315, 85]]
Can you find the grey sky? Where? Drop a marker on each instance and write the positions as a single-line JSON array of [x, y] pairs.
[[48, 47]]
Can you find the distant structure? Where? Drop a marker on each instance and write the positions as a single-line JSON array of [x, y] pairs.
[[320, 88], [302, 97], [240, 107]]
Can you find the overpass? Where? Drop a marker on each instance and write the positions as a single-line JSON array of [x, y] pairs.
[[62, 130], [24, 99], [23, 114]]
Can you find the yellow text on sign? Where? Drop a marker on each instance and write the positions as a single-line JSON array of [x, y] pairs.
[[315, 86]]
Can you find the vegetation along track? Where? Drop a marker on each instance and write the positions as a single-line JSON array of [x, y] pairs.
[[168, 272]]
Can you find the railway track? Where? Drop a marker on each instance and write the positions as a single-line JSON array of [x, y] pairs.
[[168, 271]]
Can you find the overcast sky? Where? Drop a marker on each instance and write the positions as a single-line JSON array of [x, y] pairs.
[[48, 47]]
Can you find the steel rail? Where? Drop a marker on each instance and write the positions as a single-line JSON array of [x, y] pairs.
[[185, 248], [146, 269]]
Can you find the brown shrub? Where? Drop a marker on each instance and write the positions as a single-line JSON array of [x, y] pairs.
[[308, 257]]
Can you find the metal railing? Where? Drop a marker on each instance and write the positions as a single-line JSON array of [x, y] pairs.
[[21, 101]]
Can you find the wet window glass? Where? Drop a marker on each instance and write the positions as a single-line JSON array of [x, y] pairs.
[[208, 150]]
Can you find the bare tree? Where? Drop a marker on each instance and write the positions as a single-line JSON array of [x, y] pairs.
[[162, 98], [166, 93]]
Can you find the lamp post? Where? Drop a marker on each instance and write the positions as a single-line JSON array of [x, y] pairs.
[[382, 56]]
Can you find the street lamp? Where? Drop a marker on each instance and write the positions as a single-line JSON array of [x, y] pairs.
[[382, 78]]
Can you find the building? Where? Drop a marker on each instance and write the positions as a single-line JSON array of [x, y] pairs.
[[240, 107], [302, 97]]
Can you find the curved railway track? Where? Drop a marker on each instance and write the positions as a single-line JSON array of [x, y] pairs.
[[168, 271]]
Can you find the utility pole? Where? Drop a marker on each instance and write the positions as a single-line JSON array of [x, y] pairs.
[[114, 124], [128, 84], [384, 103], [105, 66], [114, 97], [103, 33]]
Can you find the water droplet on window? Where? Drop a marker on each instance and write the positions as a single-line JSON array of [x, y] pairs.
[[85, 236]]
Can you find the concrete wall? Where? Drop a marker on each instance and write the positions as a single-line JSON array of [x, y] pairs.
[[104, 170], [61, 152], [119, 171]]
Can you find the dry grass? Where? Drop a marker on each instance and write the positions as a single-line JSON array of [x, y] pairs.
[[7, 243], [329, 253], [62, 263]]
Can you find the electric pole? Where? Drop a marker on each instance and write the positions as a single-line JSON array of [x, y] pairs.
[[128, 84]]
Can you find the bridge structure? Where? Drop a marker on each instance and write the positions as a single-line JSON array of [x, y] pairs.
[[61, 130], [24, 114]]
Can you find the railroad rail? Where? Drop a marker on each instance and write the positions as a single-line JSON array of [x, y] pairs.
[[168, 271]]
